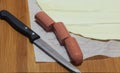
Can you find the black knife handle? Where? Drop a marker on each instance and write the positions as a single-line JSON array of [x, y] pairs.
[[18, 25]]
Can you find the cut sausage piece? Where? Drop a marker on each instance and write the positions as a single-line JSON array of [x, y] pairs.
[[44, 20], [61, 32], [74, 50]]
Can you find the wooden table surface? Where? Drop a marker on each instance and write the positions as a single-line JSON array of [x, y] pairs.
[[17, 54]]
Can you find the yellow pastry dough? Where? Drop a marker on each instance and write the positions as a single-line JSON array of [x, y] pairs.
[[98, 19]]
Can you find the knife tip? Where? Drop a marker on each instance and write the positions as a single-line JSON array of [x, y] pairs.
[[75, 70]]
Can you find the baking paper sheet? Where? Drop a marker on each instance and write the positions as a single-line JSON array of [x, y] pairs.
[[89, 47]]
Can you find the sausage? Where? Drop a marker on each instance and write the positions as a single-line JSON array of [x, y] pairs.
[[44, 20], [62, 35], [60, 32], [74, 51]]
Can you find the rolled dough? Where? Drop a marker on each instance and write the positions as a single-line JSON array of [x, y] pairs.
[[98, 19]]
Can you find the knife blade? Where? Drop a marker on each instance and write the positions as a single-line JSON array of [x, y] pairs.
[[35, 39]]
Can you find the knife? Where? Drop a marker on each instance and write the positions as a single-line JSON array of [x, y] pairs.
[[35, 39]]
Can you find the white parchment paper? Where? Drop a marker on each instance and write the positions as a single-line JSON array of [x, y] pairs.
[[89, 47]]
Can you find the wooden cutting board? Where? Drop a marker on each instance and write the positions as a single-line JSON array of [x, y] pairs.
[[17, 53]]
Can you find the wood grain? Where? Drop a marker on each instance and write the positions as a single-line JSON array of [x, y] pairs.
[[17, 54]]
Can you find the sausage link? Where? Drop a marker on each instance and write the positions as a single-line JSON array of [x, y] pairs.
[[62, 35], [44, 20], [74, 51], [61, 32]]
